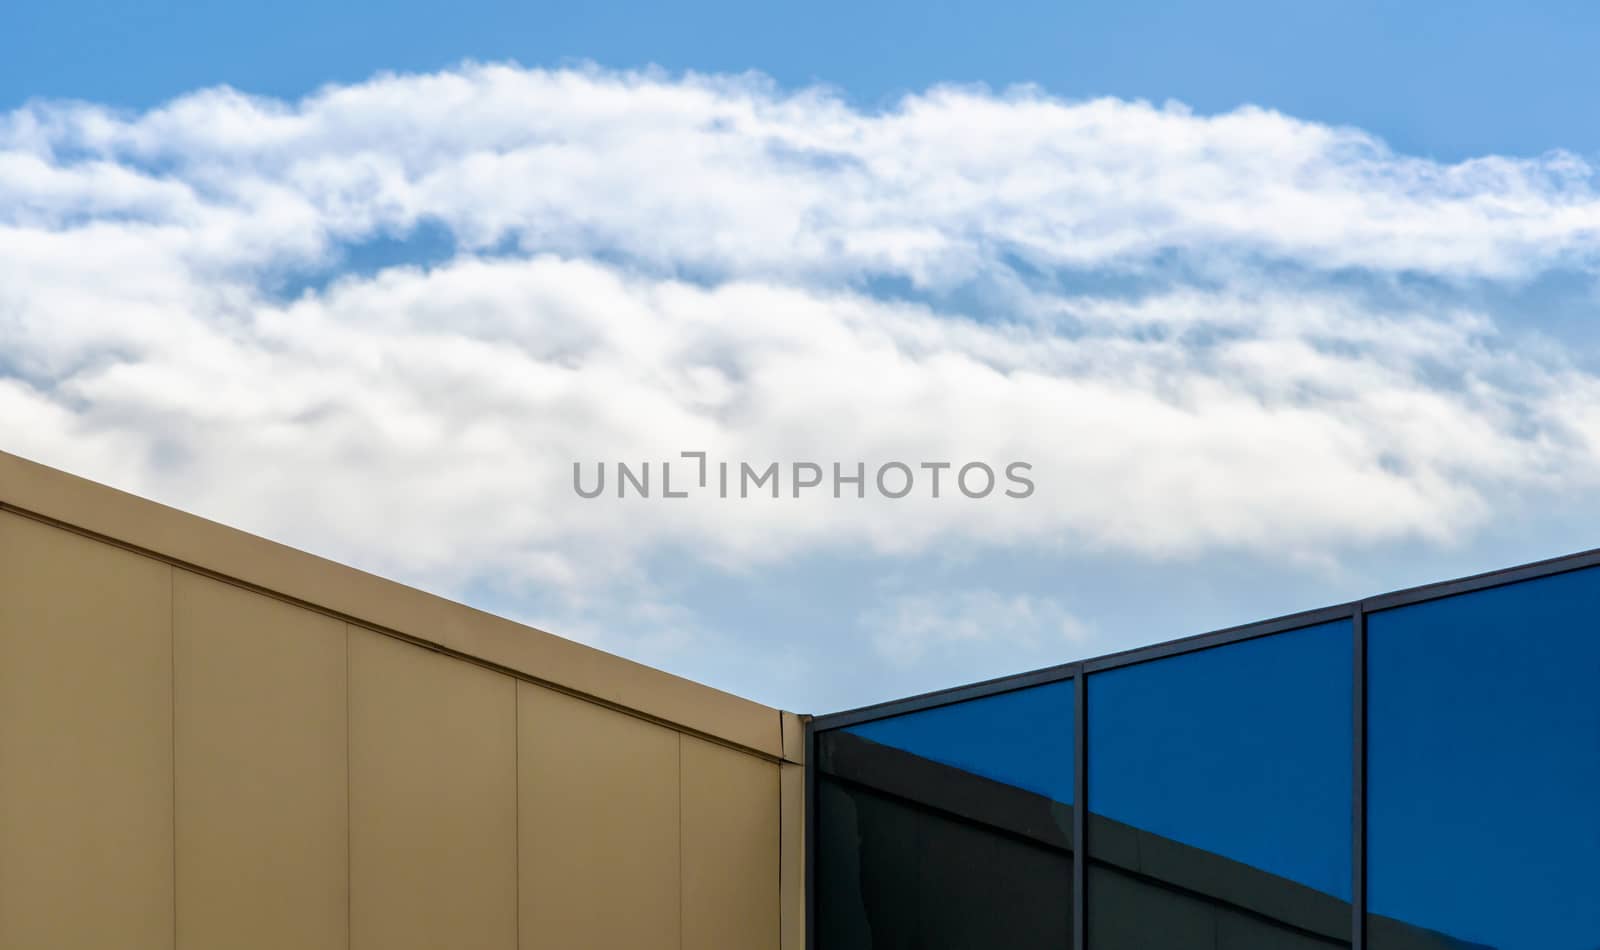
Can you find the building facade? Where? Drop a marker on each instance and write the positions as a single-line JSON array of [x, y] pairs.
[[208, 740], [1416, 770], [212, 742]]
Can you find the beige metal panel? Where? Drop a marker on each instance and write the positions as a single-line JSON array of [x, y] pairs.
[[793, 728], [261, 771], [195, 541], [433, 800], [598, 826], [792, 840], [730, 849], [792, 853], [85, 743]]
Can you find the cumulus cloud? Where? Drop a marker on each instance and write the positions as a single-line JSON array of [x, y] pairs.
[[1153, 308]]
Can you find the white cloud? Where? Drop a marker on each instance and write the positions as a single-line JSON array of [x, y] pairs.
[[733, 174], [908, 628], [649, 264]]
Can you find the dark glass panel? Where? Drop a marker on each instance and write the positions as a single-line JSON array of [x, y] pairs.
[[948, 828], [1220, 796], [1483, 751], [1021, 738], [893, 874]]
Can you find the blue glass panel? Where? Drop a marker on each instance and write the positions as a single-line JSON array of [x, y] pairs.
[[948, 828], [1022, 738], [1220, 792], [1484, 769]]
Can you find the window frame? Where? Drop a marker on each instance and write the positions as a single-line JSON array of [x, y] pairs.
[[1355, 612]]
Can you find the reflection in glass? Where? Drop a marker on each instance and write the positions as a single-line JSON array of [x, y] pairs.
[[1022, 738], [1220, 796], [1483, 752], [948, 828]]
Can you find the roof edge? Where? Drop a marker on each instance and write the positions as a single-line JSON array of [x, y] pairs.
[[37, 490], [1078, 669]]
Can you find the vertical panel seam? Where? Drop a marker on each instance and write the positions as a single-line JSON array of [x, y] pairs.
[[516, 800], [349, 811], [778, 789], [782, 741], [172, 660], [683, 915]]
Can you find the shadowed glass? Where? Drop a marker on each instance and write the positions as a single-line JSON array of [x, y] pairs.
[[949, 828], [1483, 822], [1220, 795]]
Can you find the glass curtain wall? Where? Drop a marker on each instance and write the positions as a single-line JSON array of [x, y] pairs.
[[948, 828], [1221, 797], [1483, 768]]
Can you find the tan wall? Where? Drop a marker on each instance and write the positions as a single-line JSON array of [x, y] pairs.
[[189, 762]]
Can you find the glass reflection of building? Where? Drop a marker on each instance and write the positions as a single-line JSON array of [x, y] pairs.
[[1224, 782]]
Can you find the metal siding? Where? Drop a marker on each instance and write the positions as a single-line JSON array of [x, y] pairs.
[[730, 849], [433, 810], [261, 771], [85, 743], [598, 826]]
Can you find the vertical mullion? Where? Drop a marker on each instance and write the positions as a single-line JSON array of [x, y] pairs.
[[809, 833], [1358, 829], [1080, 811]]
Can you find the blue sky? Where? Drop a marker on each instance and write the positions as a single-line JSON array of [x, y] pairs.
[[1301, 310], [1443, 80]]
